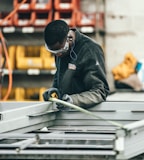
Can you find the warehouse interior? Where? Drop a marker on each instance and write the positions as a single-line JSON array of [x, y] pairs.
[[34, 129], [117, 25]]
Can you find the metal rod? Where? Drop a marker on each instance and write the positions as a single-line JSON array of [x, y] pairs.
[[28, 142], [134, 125]]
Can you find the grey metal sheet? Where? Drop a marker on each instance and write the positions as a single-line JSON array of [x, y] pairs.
[[96, 144], [132, 143], [121, 112], [12, 110], [62, 146], [126, 96], [57, 146], [24, 122], [119, 106], [59, 155], [82, 122], [32, 127], [82, 129], [117, 116], [13, 104], [25, 116], [60, 135]]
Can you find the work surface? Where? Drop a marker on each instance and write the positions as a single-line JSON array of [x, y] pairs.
[[72, 135]]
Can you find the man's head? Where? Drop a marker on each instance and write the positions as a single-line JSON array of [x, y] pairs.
[[55, 36]]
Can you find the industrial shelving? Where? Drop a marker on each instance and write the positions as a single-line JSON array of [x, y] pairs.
[[30, 31]]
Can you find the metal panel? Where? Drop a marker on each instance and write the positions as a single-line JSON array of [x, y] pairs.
[[126, 96], [16, 110], [133, 143], [120, 104], [56, 146], [24, 116], [127, 115], [121, 112], [73, 135]]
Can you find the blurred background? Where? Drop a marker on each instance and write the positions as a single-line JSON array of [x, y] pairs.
[[27, 69]]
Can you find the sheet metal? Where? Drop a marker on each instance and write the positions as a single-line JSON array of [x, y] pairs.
[[72, 135], [56, 146], [126, 96], [64, 145], [25, 117]]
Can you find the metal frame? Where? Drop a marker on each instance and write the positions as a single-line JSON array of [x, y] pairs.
[[24, 117], [71, 135]]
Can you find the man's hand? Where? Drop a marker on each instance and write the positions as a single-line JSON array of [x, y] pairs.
[[68, 99], [51, 93]]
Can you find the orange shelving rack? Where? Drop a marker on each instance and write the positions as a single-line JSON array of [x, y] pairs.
[[42, 18], [24, 19], [41, 6], [8, 22], [85, 19], [66, 5], [69, 17], [24, 7]]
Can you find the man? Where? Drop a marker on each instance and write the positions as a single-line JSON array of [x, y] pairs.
[[80, 76]]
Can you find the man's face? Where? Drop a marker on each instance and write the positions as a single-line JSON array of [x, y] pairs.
[[59, 49]]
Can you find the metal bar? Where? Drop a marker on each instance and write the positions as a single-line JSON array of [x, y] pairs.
[[56, 146], [134, 125], [57, 152], [27, 143], [83, 129], [72, 136]]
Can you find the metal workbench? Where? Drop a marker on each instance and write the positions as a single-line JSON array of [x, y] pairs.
[[71, 134]]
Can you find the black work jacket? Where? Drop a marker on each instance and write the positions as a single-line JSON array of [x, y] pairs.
[[82, 73]]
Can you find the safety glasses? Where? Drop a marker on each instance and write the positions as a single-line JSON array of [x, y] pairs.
[[62, 50]]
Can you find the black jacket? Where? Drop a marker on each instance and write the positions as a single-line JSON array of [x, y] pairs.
[[82, 74]]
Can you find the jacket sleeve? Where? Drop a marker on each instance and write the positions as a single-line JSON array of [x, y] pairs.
[[95, 81]]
